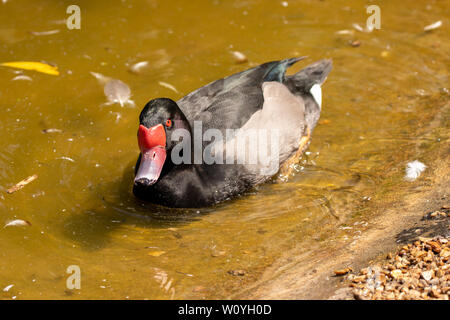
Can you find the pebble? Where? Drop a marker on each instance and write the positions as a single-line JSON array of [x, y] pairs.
[[343, 271]]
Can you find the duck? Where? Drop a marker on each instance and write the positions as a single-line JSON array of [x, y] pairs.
[[228, 136]]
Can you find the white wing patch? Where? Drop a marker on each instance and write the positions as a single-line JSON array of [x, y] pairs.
[[316, 92]]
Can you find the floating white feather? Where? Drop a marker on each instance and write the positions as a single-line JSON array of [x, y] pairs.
[[414, 169], [433, 26], [17, 223]]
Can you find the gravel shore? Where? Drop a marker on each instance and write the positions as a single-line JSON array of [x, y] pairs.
[[418, 271]]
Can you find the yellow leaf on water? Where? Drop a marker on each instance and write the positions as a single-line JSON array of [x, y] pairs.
[[156, 253], [31, 65]]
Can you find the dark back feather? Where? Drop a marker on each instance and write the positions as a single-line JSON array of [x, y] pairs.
[[231, 101]]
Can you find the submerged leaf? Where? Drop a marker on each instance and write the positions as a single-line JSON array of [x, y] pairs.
[[117, 91], [31, 65]]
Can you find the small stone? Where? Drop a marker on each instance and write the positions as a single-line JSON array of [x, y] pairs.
[[342, 272], [359, 278], [445, 253], [435, 246], [359, 296], [427, 275], [396, 274], [390, 296], [434, 294]]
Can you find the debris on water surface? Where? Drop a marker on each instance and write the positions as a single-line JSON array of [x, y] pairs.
[[433, 26], [22, 184], [357, 27], [345, 32], [51, 130], [384, 54], [239, 57], [66, 158], [44, 33], [186, 274], [168, 86], [6, 289], [22, 77], [414, 169], [17, 223], [156, 253], [164, 281], [325, 121], [218, 253], [116, 91], [355, 43], [32, 65], [101, 78], [237, 272], [137, 67]]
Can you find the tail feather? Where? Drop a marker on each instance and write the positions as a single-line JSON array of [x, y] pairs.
[[278, 70], [306, 78]]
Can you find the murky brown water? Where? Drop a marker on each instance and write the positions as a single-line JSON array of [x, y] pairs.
[[81, 207]]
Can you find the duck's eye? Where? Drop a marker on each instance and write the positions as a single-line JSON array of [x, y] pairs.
[[168, 123]]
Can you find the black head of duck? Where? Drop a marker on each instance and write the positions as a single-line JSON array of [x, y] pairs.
[[212, 144]]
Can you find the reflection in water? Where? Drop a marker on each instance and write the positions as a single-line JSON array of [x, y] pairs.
[[82, 211]]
